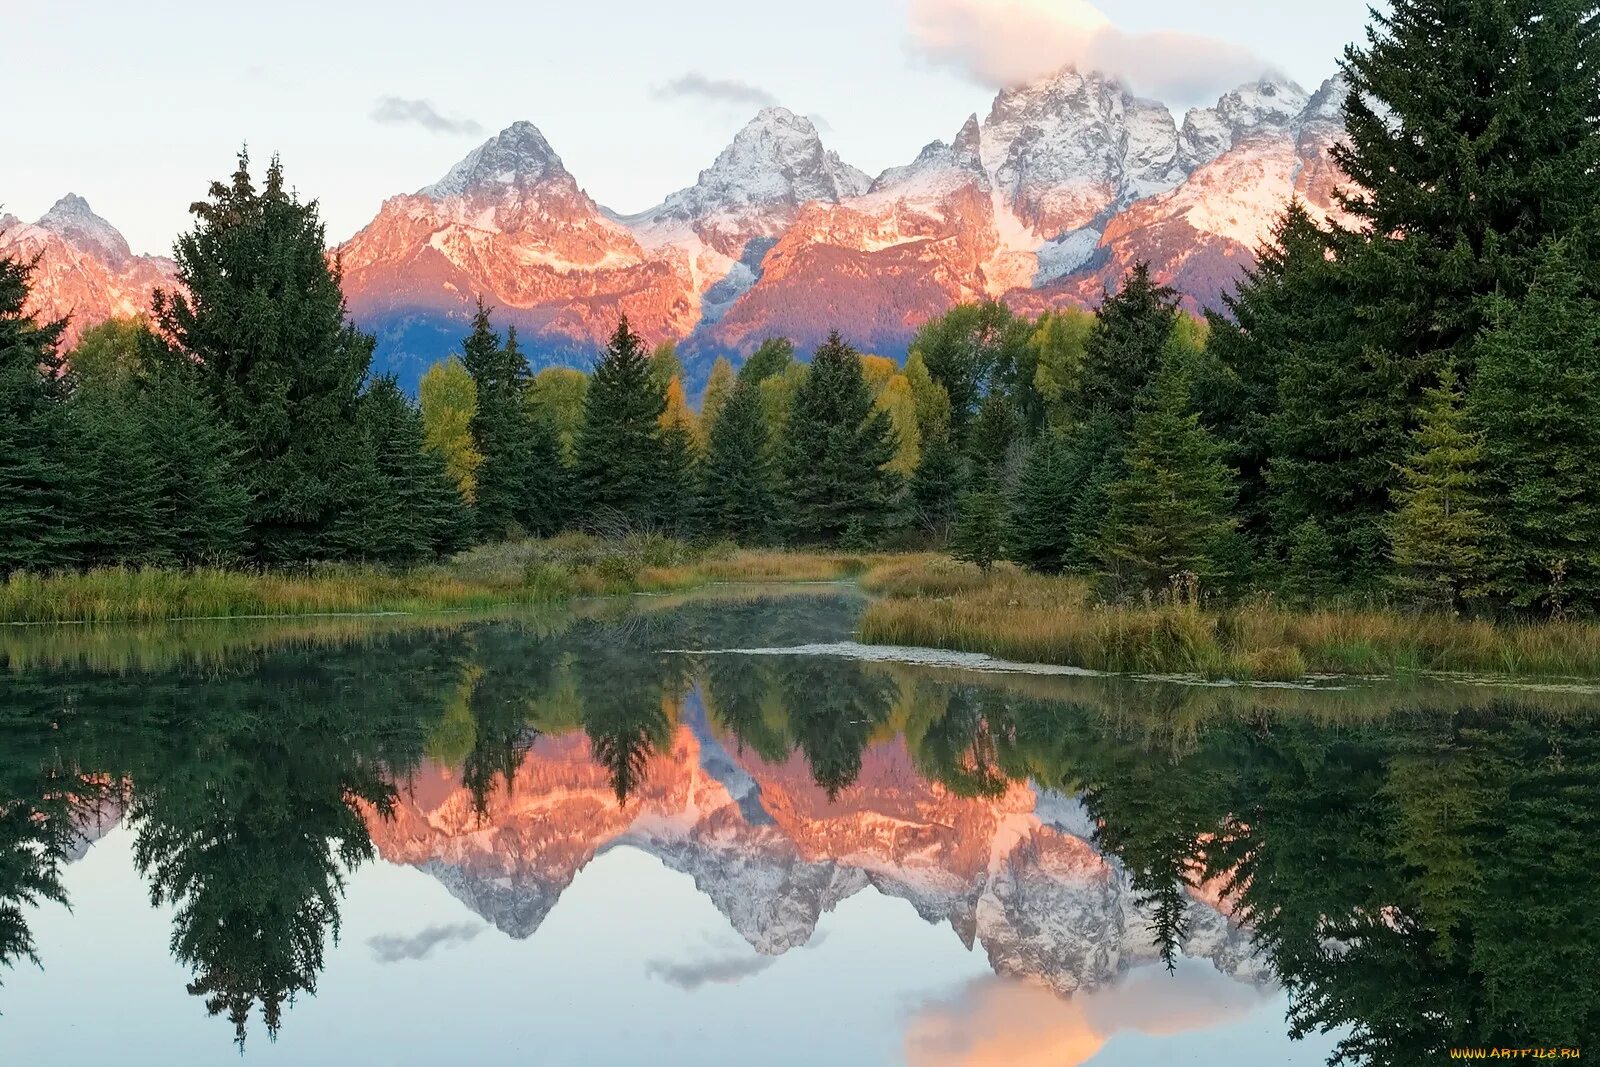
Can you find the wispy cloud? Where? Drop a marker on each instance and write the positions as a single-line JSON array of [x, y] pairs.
[[722, 970], [721, 90], [1005, 43], [393, 948], [398, 110]]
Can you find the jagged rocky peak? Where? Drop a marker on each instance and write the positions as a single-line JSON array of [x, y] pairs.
[[1271, 104], [516, 157], [1067, 148], [1324, 112], [940, 167], [74, 221], [776, 160]]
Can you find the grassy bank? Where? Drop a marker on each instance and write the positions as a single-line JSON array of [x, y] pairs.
[[491, 576], [935, 602]]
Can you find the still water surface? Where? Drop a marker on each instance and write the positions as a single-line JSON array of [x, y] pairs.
[[612, 835]]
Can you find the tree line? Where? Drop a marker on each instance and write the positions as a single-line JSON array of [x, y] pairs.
[[1401, 400]]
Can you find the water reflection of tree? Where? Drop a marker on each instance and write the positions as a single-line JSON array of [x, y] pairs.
[[1419, 883]]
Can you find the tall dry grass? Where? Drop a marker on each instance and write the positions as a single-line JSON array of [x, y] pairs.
[[1015, 615]]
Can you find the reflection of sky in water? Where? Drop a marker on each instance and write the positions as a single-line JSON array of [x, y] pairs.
[[633, 965]]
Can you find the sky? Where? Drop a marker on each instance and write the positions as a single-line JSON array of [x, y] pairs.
[[138, 107]]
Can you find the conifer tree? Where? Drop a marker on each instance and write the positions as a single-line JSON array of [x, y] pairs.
[[936, 486], [718, 388], [34, 482], [738, 482], [979, 534], [1472, 136], [836, 451], [1168, 514], [1124, 350], [1537, 403], [1438, 532], [404, 508], [620, 450], [1061, 496], [677, 507], [206, 501], [259, 308], [990, 436], [118, 514]]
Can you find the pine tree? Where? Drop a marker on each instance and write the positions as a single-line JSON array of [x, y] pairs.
[[1537, 403], [119, 515], [34, 482], [206, 501], [836, 451], [719, 386], [1125, 348], [403, 507], [259, 308], [1169, 512], [1472, 136], [1061, 495], [620, 451], [990, 436], [1438, 532], [936, 486], [979, 535], [738, 483]]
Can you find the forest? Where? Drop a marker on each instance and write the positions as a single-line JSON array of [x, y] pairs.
[[1401, 406]]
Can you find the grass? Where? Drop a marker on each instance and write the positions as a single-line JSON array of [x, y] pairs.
[[525, 572], [935, 602]]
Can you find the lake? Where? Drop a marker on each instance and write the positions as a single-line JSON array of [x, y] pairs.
[[710, 829]]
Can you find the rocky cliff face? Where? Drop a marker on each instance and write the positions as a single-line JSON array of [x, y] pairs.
[[766, 846]]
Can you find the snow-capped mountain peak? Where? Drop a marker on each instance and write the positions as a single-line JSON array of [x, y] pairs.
[[776, 160], [518, 156], [75, 222], [1267, 105]]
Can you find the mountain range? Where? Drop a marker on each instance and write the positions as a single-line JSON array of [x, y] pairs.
[[1016, 876], [1044, 203]]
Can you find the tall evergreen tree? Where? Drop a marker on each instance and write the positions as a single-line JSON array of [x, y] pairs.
[[1438, 533], [980, 534], [119, 515], [1537, 402], [1125, 348], [34, 482], [1169, 512], [1062, 494], [404, 508], [718, 388], [770, 358], [836, 452], [259, 307], [738, 481], [206, 500], [620, 450]]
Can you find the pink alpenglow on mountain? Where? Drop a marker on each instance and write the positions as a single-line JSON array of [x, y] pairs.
[[1048, 202]]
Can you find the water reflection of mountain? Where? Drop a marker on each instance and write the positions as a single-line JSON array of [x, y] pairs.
[[1015, 875], [1413, 863]]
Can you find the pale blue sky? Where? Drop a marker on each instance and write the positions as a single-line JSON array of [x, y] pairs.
[[138, 106]]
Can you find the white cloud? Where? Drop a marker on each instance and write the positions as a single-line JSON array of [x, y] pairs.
[[1005, 43], [722, 90], [394, 110]]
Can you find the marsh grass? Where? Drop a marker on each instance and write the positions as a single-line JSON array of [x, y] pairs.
[[1015, 615], [490, 576]]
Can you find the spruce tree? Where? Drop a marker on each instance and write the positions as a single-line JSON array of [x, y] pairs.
[[1438, 533], [119, 514], [206, 500], [1472, 136], [718, 388], [1536, 401], [936, 486], [34, 481], [520, 482], [1061, 495], [620, 450], [259, 307], [1125, 348], [979, 534], [836, 451], [738, 482], [1168, 514]]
